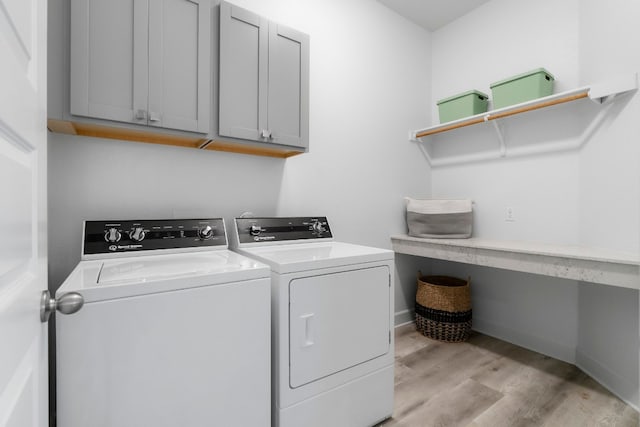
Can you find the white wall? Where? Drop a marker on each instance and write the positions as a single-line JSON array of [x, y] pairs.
[[609, 343], [499, 39], [94, 179], [370, 84], [608, 338], [610, 163], [370, 80], [502, 38], [589, 196]]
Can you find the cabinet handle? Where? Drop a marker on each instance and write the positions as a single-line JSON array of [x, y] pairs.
[[266, 133], [141, 115], [154, 117]]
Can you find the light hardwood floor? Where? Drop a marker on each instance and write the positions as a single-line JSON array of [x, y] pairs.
[[486, 382]]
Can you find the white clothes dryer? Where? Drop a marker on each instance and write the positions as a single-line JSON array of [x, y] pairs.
[[332, 322], [174, 330]]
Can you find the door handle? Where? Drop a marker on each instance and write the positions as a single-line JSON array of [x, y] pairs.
[[308, 329], [68, 303]]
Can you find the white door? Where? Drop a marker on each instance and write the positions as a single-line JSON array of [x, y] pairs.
[[23, 213], [337, 321]]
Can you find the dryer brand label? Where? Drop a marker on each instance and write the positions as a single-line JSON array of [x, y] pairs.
[[114, 248]]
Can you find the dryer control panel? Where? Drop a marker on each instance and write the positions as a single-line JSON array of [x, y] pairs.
[[124, 236], [281, 229]]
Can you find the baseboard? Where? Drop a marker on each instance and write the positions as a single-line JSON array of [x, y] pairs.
[[403, 317], [613, 382], [531, 342]]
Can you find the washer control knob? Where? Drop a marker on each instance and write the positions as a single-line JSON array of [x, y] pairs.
[[137, 234], [112, 235], [205, 233], [254, 230], [317, 227]]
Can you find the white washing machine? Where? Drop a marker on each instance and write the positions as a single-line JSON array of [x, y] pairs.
[[174, 330], [332, 323]]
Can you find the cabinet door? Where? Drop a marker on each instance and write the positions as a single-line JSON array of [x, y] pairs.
[[109, 66], [288, 111], [243, 73], [180, 64]]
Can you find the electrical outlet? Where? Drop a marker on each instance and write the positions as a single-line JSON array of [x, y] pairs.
[[509, 214]]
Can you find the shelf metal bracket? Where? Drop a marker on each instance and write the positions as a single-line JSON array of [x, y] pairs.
[[500, 131], [425, 152], [605, 92], [422, 144]]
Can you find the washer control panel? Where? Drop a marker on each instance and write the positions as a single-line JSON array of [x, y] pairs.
[[259, 230], [109, 237]]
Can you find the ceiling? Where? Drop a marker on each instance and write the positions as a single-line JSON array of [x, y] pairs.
[[432, 14]]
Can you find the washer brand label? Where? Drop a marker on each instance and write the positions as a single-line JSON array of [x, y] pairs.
[[114, 248], [263, 238]]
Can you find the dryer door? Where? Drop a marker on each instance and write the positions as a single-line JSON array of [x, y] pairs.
[[337, 321]]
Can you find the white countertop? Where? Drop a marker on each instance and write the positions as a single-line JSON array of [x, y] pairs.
[[586, 264]]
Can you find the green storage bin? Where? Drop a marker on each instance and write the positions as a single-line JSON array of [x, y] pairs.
[[523, 87], [462, 105]]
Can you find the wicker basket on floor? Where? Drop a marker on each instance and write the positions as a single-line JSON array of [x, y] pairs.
[[443, 308]]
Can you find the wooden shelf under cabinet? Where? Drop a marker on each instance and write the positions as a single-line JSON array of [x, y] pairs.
[[98, 131]]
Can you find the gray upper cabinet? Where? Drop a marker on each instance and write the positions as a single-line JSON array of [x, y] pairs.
[[264, 79], [146, 62], [243, 73]]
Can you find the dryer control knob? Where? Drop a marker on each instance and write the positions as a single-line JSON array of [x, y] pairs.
[[205, 233], [137, 234], [112, 235], [254, 230], [318, 227]]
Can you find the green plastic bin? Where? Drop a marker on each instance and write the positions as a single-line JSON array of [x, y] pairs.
[[523, 87], [462, 105]]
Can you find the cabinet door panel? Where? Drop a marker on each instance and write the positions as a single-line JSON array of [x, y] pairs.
[[243, 73], [288, 116], [109, 59], [180, 64]]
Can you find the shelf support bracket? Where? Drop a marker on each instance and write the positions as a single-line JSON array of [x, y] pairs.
[[425, 152], [605, 92], [503, 146]]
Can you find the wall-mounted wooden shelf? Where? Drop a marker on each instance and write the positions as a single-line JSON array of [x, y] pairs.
[[536, 104], [602, 93], [126, 134]]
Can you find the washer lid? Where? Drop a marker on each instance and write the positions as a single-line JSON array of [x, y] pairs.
[[117, 278], [310, 256], [145, 269]]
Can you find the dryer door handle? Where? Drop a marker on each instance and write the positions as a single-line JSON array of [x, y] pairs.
[[308, 339]]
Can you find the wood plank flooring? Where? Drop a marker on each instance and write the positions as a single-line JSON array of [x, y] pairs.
[[486, 382]]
